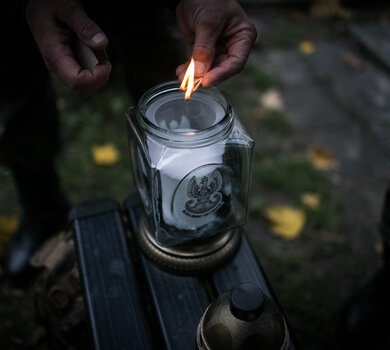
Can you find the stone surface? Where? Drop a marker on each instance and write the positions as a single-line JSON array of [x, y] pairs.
[[339, 108], [375, 37]]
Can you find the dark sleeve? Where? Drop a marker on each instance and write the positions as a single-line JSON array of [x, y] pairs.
[[16, 9]]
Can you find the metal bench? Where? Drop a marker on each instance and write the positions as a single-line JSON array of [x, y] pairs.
[[132, 303]]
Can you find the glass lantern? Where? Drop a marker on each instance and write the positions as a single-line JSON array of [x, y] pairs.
[[191, 161]]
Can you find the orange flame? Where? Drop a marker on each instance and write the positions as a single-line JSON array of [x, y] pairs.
[[189, 84]]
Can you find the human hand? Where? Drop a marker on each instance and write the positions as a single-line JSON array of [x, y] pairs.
[[222, 36], [56, 26]]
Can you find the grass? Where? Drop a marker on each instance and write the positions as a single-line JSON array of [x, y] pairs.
[[291, 26], [17, 322], [85, 124], [261, 79], [293, 176], [277, 123]]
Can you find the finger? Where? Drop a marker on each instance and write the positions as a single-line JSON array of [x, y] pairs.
[[88, 81], [219, 51], [232, 63], [102, 75], [86, 29], [85, 57], [180, 71], [221, 55], [203, 51], [94, 79], [69, 71], [219, 59], [225, 69]]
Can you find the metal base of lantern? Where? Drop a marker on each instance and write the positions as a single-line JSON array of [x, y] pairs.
[[189, 258]]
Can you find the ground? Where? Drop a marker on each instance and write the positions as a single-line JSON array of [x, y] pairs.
[[317, 104]]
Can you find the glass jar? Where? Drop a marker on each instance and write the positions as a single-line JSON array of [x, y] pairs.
[[191, 161]]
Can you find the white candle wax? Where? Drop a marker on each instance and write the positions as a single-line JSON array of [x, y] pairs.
[[191, 184]]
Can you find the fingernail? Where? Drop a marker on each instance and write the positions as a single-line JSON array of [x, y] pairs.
[[200, 69], [98, 38]]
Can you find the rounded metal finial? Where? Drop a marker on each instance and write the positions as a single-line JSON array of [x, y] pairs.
[[243, 319], [247, 301]]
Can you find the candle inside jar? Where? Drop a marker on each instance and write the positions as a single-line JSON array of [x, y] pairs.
[[172, 112], [189, 197]]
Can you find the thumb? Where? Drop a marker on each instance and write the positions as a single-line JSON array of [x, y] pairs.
[[87, 30], [203, 51]]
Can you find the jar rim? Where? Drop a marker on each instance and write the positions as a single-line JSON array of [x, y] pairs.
[[181, 136]]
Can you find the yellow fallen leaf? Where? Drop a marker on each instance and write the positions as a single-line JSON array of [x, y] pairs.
[[286, 222], [322, 159], [106, 154], [8, 225], [352, 60], [307, 47], [272, 100], [310, 200]]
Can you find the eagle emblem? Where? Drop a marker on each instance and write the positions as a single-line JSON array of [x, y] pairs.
[[205, 197]]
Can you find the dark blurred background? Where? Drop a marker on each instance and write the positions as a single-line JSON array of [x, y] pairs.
[[315, 95]]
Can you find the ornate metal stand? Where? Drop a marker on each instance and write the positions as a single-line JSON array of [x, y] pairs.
[[191, 258]]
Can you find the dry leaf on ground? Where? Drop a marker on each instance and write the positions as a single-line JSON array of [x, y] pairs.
[[8, 225], [307, 47], [310, 200], [272, 100], [322, 159], [352, 60], [286, 222], [106, 154]]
